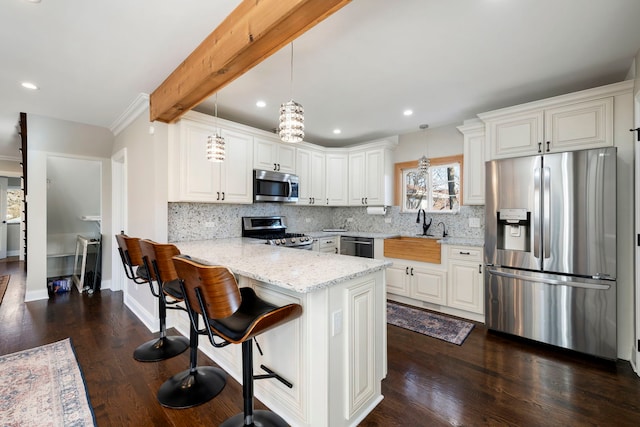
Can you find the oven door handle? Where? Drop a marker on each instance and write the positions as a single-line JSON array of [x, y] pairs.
[[290, 188], [359, 242]]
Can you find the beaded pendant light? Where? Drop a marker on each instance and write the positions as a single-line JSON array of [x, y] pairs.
[[291, 127], [423, 163], [215, 143]]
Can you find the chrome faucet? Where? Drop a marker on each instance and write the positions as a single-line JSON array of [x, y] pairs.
[[444, 230], [425, 226]]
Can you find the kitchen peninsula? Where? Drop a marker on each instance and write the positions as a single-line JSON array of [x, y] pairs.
[[334, 354]]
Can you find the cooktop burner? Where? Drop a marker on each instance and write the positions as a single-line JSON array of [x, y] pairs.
[[273, 230]]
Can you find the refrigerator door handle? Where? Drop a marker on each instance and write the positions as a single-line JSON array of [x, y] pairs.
[[536, 213], [546, 206], [549, 280]]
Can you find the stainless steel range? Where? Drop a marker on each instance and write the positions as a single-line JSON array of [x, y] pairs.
[[273, 230]]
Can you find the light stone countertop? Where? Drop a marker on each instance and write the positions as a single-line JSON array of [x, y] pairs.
[[317, 234], [293, 269], [462, 241]]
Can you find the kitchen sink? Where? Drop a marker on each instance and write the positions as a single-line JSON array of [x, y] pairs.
[[423, 249]]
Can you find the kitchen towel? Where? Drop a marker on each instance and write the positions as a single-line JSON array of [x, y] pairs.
[[379, 210]]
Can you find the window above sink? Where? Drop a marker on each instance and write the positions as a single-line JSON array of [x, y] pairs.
[[439, 191]]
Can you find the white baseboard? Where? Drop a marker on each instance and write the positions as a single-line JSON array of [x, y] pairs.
[[150, 320], [36, 295]]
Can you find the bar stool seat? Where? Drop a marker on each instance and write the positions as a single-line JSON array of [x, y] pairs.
[[235, 316]]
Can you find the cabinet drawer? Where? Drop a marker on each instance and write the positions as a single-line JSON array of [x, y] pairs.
[[329, 242], [465, 253]]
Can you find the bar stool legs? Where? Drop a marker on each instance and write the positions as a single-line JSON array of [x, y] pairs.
[[163, 347], [194, 386], [250, 417]]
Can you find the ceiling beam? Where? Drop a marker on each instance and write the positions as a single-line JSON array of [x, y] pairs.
[[251, 33]]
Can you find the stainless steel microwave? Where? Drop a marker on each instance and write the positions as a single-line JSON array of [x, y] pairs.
[[269, 186]]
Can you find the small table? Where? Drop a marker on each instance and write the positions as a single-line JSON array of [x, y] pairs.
[[82, 247]]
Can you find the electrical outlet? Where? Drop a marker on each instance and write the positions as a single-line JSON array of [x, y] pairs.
[[387, 220], [474, 222], [349, 219], [336, 322], [209, 224], [307, 220]]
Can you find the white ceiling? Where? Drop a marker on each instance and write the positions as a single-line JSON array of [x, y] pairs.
[[447, 60]]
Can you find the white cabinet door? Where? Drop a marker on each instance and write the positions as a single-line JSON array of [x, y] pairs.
[[581, 125], [428, 285], [337, 179], [236, 175], [357, 173], [374, 178], [199, 178], [310, 170], [473, 168], [465, 286], [398, 279], [466, 281], [516, 135], [273, 155]]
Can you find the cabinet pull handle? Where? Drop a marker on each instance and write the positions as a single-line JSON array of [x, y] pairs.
[[362, 201], [539, 147], [336, 250], [412, 271], [365, 200], [327, 201], [218, 193], [223, 195], [313, 200], [275, 167], [464, 253], [479, 268], [406, 271], [548, 143]]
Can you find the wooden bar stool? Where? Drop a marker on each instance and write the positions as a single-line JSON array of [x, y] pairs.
[[198, 384], [163, 347], [235, 316]]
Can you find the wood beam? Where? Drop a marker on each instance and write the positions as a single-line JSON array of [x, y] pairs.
[[251, 33]]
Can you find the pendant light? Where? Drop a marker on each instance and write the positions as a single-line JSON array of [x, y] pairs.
[[291, 127], [424, 163], [215, 144]]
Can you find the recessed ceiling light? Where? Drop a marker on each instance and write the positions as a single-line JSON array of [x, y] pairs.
[[408, 112], [29, 85], [261, 104], [337, 131], [34, 1]]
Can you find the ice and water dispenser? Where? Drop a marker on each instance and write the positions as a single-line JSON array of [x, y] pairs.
[[514, 229]]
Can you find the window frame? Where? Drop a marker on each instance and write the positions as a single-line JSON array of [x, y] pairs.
[[403, 167]]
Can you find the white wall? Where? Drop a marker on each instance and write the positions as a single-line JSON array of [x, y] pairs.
[[147, 200], [48, 136]]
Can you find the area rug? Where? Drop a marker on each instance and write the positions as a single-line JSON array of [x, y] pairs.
[[444, 328], [44, 386], [4, 282]]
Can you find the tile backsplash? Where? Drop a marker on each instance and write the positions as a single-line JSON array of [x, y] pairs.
[[198, 221]]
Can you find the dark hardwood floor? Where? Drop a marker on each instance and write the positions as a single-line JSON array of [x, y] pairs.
[[490, 380]]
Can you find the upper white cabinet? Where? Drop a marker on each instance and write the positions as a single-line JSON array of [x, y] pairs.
[[193, 178], [473, 180], [310, 166], [337, 178], [576, 121], [273, 155], [371, 177]]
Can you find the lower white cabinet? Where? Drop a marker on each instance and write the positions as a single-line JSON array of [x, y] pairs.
[[329, 245], [465, 287], [416, 280]]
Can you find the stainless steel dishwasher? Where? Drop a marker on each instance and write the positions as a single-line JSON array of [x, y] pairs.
[[356, 246]]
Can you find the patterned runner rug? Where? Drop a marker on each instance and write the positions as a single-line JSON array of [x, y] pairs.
[[43, 386], [4, 282], [427, 323]]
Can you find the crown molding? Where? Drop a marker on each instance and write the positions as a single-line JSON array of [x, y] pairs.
[[137, 107]]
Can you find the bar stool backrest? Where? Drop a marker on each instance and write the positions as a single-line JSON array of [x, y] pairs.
[[161, 254], [131, 248], [217, 285]]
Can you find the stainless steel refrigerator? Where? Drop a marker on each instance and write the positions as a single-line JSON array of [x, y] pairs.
[[550, 249]]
